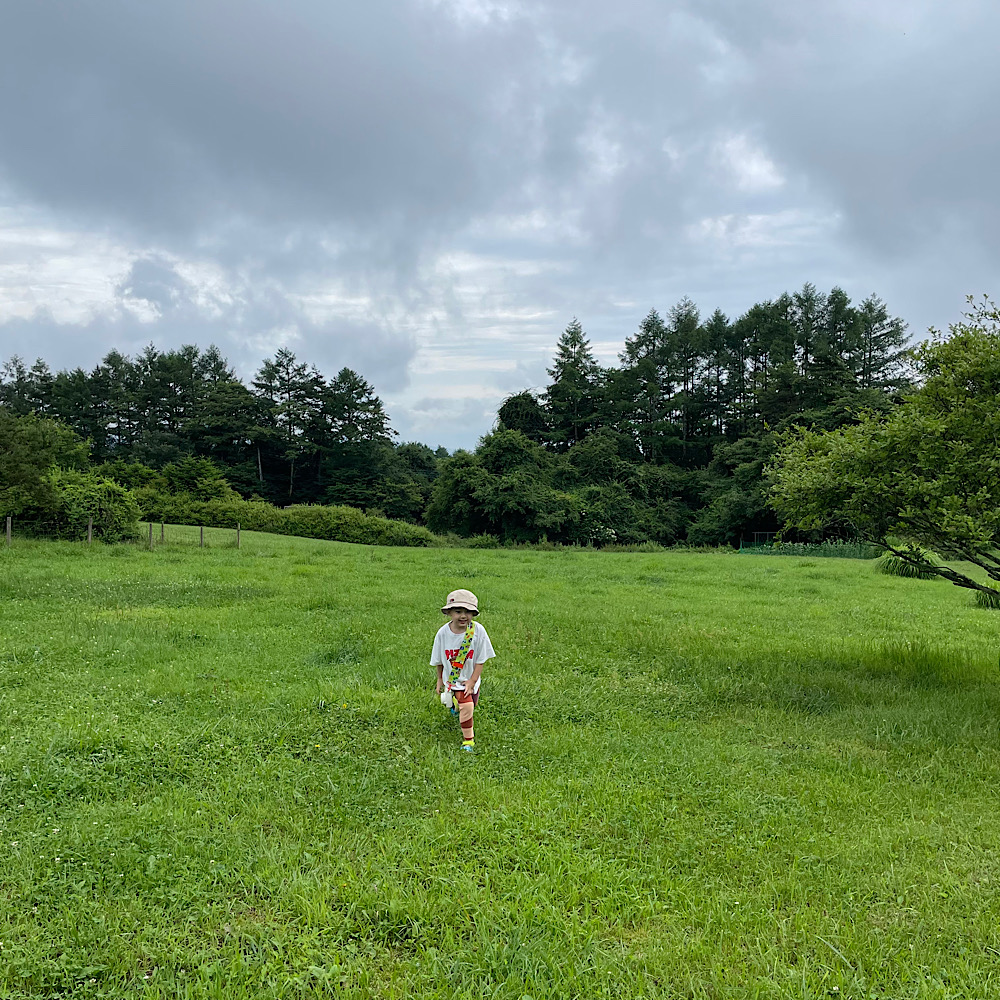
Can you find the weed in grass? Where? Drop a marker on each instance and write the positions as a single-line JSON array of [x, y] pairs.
[[891, 565], [986, 600]]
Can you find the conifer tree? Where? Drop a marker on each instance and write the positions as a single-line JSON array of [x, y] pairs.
[[644, 387], [717, 363], [290, 390], [687, 350], [878, 360], [809, 317], [574, 396]]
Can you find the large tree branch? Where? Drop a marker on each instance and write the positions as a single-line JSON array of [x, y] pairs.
[[987, 562], [920, 562]]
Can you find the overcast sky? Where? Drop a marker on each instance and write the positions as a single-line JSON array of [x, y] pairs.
[[428, 191]]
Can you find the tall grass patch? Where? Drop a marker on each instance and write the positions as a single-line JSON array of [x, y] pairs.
[[890, 564]]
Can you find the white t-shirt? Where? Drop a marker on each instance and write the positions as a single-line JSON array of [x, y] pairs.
[[446, 645]]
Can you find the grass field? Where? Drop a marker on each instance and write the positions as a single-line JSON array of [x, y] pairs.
[[225, 774]]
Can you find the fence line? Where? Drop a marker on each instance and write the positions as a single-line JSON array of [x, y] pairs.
[[21, 527]]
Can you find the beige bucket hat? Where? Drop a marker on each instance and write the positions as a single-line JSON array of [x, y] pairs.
[[462, 599]]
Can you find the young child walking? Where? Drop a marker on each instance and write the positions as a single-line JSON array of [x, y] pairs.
[[461, 647]]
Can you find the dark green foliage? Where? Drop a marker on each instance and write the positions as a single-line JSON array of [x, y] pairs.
[[293, 436], [520, 492], [197, 476], [29, 447], [70, 499], [523, 412], [734, 488], [670, 446], [926, 472], [192, 491], [483, 542], [573, 399]]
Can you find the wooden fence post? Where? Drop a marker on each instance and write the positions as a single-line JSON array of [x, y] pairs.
[[150, 536], [163, 533], [9, 519], [202, 542], [237, 534], [90, 530]]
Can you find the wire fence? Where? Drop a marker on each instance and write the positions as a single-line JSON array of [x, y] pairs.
[[150, 534]]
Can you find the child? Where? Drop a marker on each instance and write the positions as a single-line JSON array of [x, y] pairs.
[[461, 647]]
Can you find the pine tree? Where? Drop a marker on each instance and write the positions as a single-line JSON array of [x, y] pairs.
[[878, 361], [717, 363], [687, 352], [644, 387], [809, 317], [574, 396], [290, 391], [15, 386]]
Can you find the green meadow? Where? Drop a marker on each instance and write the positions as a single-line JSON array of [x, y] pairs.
[[224, 773]]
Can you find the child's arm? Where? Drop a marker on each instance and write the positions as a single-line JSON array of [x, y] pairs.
[[437, 661], [470, 684]]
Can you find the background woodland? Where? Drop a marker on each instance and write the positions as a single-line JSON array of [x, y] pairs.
[[667, 446]]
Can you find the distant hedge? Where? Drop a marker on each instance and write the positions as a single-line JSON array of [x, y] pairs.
[[338, 524]]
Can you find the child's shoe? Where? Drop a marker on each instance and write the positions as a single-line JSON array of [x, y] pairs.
[[468, 745], [454, 705]]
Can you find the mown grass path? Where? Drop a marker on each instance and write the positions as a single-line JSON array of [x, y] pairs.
[[224, 774]]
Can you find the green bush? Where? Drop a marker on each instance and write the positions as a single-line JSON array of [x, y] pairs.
[[30, 447], [340, 524], [68, 499], [481, 542]]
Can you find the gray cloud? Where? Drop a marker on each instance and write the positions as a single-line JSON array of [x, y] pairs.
[[428, 190]]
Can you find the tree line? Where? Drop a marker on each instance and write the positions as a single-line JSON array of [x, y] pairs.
[[667, 446], [291, 436], [670, 445]]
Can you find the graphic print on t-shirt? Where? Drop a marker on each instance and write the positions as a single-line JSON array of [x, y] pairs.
[[457, 657]]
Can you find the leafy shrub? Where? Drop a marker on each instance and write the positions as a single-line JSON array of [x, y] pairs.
[[340, 524], [481, 542], [68, 499], [30, 446], [198, 476]]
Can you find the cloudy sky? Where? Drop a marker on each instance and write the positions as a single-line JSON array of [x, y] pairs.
[[429, 190]]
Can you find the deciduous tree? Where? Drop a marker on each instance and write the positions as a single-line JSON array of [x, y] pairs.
[[925, 476]]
